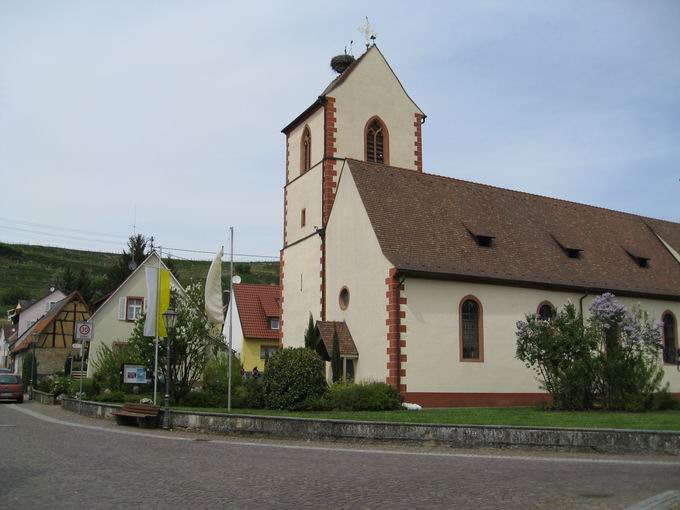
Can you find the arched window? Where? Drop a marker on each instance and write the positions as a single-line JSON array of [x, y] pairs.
[[546, 311], [377, 142], [670, 346], [471, 330], [306, 150]]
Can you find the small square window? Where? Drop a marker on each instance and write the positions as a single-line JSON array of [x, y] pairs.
[[134, 308], [274, 323]]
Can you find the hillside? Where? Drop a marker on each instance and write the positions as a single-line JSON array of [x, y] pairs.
[[31, 269]]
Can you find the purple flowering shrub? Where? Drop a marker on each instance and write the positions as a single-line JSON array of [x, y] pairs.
[[610, 361]]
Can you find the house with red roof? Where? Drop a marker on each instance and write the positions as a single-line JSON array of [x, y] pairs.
[[256, 323], [428, 275], [51, 337]]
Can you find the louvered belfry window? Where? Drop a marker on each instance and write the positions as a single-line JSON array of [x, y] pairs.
[[470, 329], [375, 143]]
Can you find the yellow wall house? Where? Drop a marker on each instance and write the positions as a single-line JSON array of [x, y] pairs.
[[256, 324]]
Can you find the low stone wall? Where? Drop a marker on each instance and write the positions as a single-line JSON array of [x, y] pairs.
[[92, 409], [44, 398], [461, 436]]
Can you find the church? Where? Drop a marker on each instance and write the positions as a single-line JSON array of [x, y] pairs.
[[424, 276]]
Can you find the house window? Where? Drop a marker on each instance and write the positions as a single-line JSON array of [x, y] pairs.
[[343, 298], [274, 323], [546, 311], [303, 217], [267, 351], [376, 142], [348, 369], [669, 338], [306, 150], [133, 308], [471, 330]]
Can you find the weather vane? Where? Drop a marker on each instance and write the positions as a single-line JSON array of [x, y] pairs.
[[369, 34]]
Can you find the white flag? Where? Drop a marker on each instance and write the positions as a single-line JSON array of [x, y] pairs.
[[213, 291]]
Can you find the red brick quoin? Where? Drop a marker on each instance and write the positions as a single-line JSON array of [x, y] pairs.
[[418, 153], [329, 183], [395, 370]]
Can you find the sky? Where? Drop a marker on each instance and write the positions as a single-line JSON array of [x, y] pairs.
[[166, 115]]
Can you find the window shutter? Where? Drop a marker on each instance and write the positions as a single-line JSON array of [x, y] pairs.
[[121, 309], [144, 305]]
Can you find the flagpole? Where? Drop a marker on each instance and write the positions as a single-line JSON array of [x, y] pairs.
[[231, 308], [158, 311]]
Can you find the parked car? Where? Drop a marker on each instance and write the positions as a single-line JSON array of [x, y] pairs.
[[11, 387], [5, 370]]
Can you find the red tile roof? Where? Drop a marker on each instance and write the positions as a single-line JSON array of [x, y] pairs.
[[325, 331], [256, 304], [426, 224], [24, 342]]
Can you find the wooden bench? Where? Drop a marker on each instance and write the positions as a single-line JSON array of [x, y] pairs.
[[143, 415]]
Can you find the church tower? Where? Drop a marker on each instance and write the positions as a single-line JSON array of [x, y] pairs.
[[363, 114]]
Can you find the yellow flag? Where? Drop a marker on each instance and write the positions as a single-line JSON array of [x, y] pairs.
[[164, 300]]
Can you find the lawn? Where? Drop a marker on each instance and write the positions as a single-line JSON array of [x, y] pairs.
[[521, 416]]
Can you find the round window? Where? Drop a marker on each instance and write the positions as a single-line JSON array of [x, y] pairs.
[[344, 298]]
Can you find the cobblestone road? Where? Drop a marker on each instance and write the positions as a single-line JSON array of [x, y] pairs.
[[88, 464]]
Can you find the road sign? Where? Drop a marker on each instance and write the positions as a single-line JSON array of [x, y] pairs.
[[83, 331]]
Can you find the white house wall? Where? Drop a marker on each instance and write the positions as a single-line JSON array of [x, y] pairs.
[[354, 260], [107, 328], [37, 310]]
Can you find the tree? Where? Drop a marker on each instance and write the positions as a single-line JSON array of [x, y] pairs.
[[13, 295], [310, 334], [610, 361], [107, 364], [560, 351], [128, 261], [69, 281], [192, 343], [172, 267], [336, 360]]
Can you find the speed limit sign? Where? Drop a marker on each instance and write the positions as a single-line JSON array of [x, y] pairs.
[[83, 331]]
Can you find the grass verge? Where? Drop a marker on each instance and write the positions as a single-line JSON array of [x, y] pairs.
[[518, 416]]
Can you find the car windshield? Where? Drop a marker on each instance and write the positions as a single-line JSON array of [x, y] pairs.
[[9, 379]]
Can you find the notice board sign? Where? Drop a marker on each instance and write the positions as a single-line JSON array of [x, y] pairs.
[[134, 374]]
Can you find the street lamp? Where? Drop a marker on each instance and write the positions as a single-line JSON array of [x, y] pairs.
[[169, 320]]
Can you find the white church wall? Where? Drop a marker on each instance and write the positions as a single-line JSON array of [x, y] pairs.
[[372, 89], [301, 289], [315, 123], [354, 260], [304, 193], [432, 338]]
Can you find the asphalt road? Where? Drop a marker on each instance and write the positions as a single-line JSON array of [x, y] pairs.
[[58, 460]]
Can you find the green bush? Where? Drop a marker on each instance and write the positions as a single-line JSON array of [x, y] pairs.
[[372, 396], [90, 388], [293, 375], [216, 372], [27, 369], [108, 362], [60, 385], [253, 390], [663, 400], [201, 399], [111, 396], [44, 385]]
